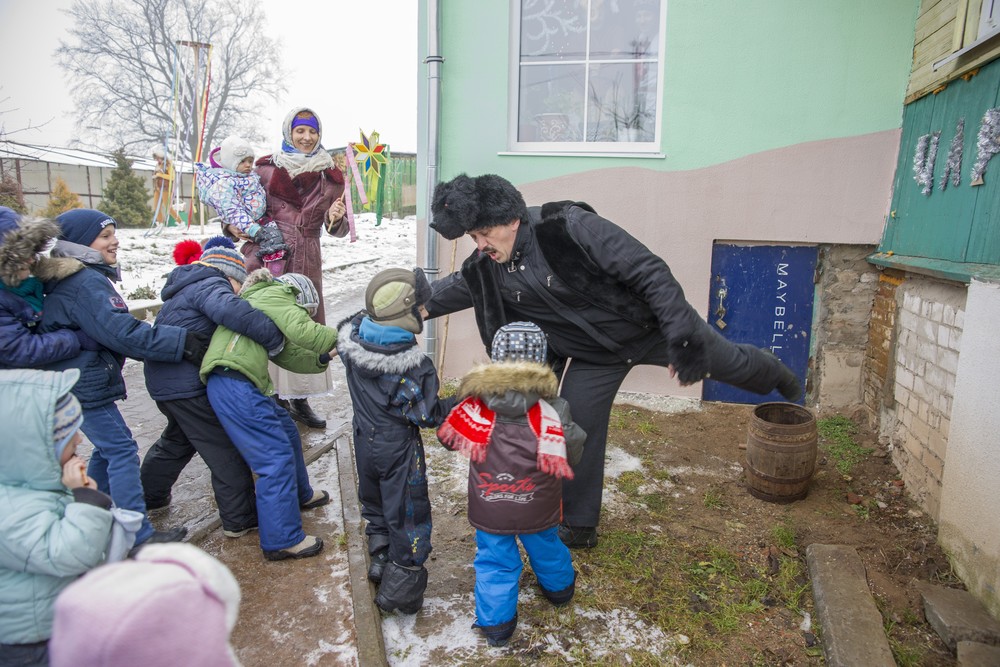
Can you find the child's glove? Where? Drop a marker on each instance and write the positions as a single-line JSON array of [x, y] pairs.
[[195, 347], [271, 242]]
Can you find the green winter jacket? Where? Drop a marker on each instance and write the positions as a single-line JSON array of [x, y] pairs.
[[305, 340], [46, 539]]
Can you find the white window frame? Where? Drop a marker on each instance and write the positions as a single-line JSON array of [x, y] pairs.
[[601, 148], [989, 18]]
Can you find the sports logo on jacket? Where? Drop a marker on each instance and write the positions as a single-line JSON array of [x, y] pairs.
[[117, 302], [505, 488]]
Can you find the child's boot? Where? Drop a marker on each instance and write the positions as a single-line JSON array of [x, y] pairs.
[[379, 560], [560, 598], [500, 634], [402, 588]]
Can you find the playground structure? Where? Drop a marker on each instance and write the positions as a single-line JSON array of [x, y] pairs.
[[192, 80]]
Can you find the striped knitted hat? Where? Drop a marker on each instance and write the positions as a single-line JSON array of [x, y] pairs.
[[67, 420], [226, 259]]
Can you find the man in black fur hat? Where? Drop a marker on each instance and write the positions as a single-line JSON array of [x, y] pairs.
[[606, 302]]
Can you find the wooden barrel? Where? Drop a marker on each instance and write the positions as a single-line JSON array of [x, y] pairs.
[[781, 452]]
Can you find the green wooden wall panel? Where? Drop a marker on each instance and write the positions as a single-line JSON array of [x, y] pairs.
[[907, 201], [960, 223], [984, 240]]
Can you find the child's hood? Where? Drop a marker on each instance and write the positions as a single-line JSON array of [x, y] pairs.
[[510, 387], [189, 274], [27, 411], [88, 256]]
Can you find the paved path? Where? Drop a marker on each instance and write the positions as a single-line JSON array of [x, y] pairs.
[[317, 611]]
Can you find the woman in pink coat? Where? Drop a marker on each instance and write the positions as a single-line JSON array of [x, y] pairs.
[[305, 192]]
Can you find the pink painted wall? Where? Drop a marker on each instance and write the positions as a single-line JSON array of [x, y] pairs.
[[831, 191]]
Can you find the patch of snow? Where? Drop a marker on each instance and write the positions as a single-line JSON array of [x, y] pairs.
[[618, 461]]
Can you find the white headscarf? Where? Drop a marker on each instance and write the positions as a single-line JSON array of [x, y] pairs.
[[293, 160]]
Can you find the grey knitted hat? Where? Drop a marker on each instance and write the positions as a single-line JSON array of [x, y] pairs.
[[520, 341], [306, 295], [227, 260]]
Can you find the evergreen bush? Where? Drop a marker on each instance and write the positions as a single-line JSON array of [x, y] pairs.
[[125, 197]]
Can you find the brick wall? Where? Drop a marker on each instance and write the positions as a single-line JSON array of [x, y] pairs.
[[877, 375], [920, 356]]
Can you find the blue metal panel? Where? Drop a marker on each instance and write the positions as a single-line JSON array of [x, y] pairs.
[[762, 295]]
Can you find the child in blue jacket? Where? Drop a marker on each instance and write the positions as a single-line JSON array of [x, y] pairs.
[[394, 390], [199, 297], [81, 295], [21, 298]]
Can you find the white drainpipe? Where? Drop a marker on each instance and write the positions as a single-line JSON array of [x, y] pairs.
[[434, 62]]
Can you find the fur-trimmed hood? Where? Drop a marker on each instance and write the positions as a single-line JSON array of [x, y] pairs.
[[394, 359], [23, 244], [522, 377], [258, 276]]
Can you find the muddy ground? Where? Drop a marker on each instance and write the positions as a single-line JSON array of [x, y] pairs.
[[691, 568]]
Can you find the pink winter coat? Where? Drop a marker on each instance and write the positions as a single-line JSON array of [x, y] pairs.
[[299, 206]]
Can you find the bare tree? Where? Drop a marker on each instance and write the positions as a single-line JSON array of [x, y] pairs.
[[125, 55]]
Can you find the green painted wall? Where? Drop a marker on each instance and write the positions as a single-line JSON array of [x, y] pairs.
[[740, 78]]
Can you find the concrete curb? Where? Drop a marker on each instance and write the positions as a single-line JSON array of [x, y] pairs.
[[201, 528], [852, 624], [367, 619]]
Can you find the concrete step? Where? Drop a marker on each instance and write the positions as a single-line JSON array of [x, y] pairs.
[[852, 625], [958, 616], [975, 654]]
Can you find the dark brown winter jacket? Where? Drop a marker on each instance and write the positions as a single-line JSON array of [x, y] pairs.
[[508, 494]]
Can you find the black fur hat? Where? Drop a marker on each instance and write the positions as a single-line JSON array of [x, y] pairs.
[[464, 204]]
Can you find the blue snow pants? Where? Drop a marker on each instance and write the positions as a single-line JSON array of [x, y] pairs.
[[498, 571], [269, 441]]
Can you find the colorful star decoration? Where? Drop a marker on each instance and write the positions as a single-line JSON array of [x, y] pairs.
[[370, 153]]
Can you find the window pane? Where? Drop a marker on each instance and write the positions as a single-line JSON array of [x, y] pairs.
[[588, 71], [551, 103], [621, 104], [624, 29], [553, 30]]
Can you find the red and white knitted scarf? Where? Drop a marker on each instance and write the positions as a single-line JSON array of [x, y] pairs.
[[470, 424]]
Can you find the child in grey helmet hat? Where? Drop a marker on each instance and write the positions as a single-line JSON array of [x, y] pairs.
[[394, 389], [521, 441]]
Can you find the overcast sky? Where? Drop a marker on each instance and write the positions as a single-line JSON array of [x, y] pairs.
[[354, 61]]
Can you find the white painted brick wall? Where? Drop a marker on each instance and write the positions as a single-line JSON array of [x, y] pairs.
[[928, 343]]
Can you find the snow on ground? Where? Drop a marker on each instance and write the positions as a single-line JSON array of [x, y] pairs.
[[146, 259]]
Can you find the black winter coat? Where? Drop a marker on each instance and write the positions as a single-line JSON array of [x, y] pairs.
[[593, 288], [199, 298], [394, 388]]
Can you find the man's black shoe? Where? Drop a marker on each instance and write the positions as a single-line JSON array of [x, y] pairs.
[[159, 504], [578, 537], [300, 410]]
